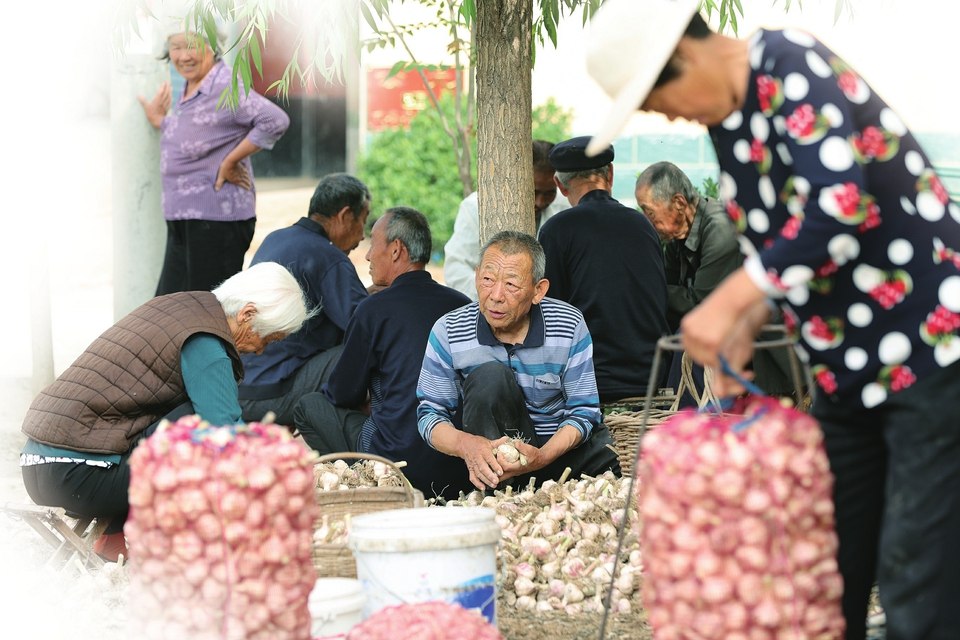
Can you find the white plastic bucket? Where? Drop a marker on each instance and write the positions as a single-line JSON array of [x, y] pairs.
[[417, 555], [335, 605]]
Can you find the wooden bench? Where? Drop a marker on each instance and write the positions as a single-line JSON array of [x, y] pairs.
[[67, 541]]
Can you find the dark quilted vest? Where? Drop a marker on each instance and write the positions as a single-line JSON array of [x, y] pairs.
[[128, 378]]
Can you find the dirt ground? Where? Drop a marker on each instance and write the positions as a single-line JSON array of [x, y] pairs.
[[528, 625]]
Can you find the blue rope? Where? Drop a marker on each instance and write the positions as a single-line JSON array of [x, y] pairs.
[[727, 403]]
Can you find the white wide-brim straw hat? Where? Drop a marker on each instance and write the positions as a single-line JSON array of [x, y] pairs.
[[629, 45]]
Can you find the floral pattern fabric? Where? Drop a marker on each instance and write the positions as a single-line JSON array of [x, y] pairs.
[[198, 135], [844, 221]]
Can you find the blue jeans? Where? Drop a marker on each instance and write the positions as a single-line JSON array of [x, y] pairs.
[[897, 498]]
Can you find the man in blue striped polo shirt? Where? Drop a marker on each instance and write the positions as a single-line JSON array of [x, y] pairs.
[[516, 364]]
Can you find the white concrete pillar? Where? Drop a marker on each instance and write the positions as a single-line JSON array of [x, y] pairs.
[[139, 231]]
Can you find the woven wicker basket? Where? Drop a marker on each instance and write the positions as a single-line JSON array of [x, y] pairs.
[[626, 416], [336, 560]]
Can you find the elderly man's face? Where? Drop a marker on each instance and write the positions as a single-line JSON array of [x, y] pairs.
[[670, 218], [191, 55], [506, 291], [380, 255], [545, 191], [347, 230]]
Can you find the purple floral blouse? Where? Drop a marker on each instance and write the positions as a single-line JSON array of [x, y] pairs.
[[843, 220], [196, 138]]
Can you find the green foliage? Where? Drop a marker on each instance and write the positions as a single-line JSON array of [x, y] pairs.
[[551, 122], [416, 168], [710, 188]]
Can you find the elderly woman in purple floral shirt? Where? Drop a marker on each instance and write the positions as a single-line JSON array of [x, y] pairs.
[[208, 196]]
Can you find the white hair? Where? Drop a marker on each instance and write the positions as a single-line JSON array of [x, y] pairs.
[[281, 305]]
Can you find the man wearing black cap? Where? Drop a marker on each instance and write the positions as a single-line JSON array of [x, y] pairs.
[[606, 260]]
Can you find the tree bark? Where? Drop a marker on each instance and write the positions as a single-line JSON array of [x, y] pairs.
[[504, 104]]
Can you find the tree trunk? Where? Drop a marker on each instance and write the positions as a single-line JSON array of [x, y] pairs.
[[504, 142]]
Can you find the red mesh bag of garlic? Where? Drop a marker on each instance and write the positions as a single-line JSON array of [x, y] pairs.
[[737, 527], [220, 533]]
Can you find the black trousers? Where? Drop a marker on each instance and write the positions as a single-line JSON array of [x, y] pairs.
[[85, 490], [494, 406], [326, 427], [201, 254], [897, 500], [309, 378]]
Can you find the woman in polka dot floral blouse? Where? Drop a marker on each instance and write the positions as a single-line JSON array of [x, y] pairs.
[[847, 227]]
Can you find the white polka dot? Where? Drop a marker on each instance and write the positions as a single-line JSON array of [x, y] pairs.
[[795, 86], [728, 186], [835, 154], [733, 121], [780, 125], [818, 65], [798, 296], [769, 65], [802, 353], [894, 348], [872, 395], [861, 93], [843, 248], [855, 358], [784, 154], [900, 252], [799, 37], [859, 315], [759, 126], [929, 206], [796, 275], [746, 247], [914, 162], [833, 114], [741, 150], [892, 122], [908, 205], [949, 293], [801, 185], [947, 352], [758, 220], [756, 55], [954, 211], [866, 277], [767, 193]]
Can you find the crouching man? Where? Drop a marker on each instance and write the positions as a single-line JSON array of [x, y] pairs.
[[520, 365]]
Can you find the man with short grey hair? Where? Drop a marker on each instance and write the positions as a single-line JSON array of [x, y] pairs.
[[514, 364], [605, 259], [380, 363], [315, 250], [700, 247]]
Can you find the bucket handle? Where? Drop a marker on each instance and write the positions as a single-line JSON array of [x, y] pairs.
[[358, 455], [497, 585]]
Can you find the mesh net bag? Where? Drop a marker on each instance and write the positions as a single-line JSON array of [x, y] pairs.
[[220, 533], [737, 526]]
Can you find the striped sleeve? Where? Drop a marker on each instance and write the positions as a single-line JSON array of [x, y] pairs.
[[438, 390], [582, 408]]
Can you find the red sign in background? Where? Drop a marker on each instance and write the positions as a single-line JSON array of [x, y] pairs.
[[392, 102]]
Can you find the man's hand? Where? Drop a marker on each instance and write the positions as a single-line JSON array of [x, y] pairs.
[[485, 470], [156, 109], [233, 172], [534, 457]]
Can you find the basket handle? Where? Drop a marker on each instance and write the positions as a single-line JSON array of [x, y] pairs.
[[358, 455]]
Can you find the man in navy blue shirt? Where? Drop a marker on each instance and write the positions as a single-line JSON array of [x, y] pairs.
[[315, 251], [606, 260], [380, 364]]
